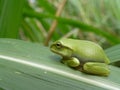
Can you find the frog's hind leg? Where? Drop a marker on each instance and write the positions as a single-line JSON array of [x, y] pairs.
[[96, 68]]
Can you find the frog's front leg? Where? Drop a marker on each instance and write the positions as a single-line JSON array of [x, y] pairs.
[[71, 62], [96, 68]]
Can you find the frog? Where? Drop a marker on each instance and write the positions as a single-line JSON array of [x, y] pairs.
[[84, 55]]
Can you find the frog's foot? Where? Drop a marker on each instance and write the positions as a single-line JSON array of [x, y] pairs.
[[72, 62], [96, 68]]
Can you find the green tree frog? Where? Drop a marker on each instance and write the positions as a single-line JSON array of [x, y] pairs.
[[83, 55]]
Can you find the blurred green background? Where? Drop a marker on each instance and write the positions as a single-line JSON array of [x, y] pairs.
[[43, 21]]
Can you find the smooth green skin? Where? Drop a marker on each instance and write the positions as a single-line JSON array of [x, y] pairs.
[[83, 54]]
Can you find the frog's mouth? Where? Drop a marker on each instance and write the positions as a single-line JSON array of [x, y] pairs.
[[64, 51]]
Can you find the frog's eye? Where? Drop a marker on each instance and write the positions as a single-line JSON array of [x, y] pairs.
[[58, 45]]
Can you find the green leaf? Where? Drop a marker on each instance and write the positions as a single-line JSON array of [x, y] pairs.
[[47, 6], [28, 66], [114, 53], [10, 16], [113, 39]]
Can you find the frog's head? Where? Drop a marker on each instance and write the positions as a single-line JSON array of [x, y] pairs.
[[59, 47]]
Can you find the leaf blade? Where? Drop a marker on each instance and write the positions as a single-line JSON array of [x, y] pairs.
[[24, 63]]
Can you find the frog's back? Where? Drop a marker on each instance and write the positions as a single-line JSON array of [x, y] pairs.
[[87, 50]]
